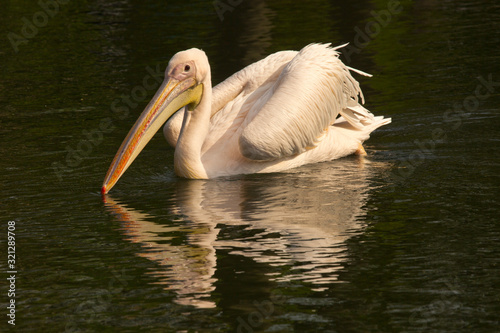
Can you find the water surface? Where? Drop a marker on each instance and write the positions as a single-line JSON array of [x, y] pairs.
[[403, 240]]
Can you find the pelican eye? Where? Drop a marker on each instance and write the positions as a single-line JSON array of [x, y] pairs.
[[187, 68]]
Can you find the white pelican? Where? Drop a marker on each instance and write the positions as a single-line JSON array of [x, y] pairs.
[[278, 113]]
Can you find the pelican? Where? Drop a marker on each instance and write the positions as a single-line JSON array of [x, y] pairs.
[[289, 109]]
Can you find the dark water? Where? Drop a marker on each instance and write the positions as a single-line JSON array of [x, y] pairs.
[[404, 240]]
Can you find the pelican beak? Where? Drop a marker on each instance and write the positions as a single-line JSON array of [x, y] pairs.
[[172, 95]]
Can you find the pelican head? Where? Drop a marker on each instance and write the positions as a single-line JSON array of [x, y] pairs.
[[183, 86]]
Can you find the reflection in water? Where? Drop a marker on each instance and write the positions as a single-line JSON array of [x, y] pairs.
[[300, 219]]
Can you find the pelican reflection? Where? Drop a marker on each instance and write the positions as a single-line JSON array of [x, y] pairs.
[[301, 219]]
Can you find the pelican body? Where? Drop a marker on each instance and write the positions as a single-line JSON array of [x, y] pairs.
[[289, 109]]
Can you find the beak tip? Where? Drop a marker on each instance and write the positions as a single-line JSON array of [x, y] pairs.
[[104, 190]]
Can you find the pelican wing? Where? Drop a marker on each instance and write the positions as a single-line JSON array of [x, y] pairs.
[[233, 98], [297, 109], [249, 79], [233, 90]]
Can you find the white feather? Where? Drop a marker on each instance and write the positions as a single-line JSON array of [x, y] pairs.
[[289, 109]]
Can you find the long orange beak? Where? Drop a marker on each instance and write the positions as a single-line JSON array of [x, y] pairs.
[[172, 95]]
